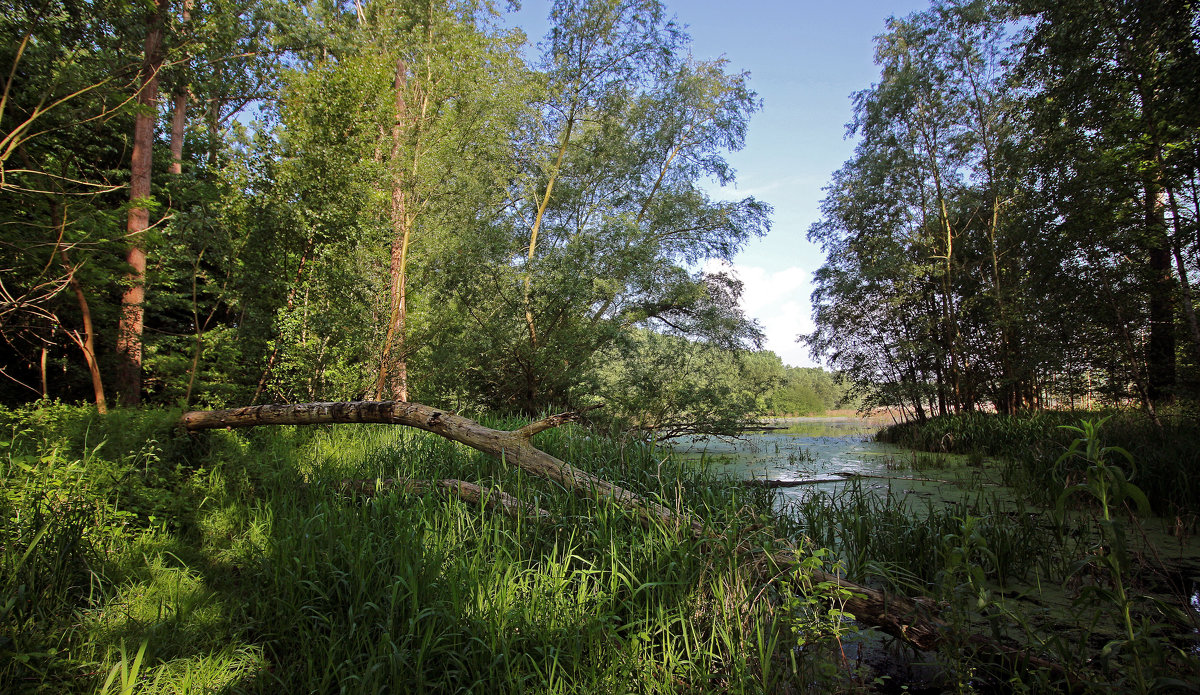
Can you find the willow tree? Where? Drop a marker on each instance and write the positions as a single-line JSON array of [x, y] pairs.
[[924, 221], [610, 213]]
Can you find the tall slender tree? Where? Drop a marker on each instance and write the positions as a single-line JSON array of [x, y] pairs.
[[130, 325]]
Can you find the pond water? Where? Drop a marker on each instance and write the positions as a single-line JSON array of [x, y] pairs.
[[821, 454], [824, 454]]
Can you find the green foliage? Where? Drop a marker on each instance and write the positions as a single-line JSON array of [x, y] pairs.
[[807, 391], [669, 386], [74, 488], [817, 617], [1108, 484], [1005, 231], [265, 576], [1030, 444], [627, 129]]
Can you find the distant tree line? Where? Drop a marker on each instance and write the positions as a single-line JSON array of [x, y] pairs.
[[1019, 225], [229, 202]]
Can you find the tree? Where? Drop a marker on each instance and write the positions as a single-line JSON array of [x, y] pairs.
[[667, 386], [398, 136], [933, 231], [63, 113], [130, 324], [610, 212], [1115, 102]]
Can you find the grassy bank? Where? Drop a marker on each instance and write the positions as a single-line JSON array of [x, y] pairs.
[[1165, 454], [136, 558], [139, 559]]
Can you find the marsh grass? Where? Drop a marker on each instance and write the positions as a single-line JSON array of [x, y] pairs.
[[140, 559], [1069, 581], [136, 558], [1028, 445]]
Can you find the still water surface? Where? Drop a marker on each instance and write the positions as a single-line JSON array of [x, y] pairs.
[[817, 449], [809, 449]]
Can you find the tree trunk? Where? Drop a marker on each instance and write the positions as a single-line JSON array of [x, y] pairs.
[[178, 124], [1160, 353], [537, 226], [42, 365], [87, 343], [1189, 306], [513, 447], [129, 328], [179, 109], [393, 371]]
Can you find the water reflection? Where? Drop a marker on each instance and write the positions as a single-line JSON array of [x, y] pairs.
[[809, 449]]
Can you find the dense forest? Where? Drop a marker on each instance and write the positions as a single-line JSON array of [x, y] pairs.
[[1018, 226], [246, 202], [231, 203]]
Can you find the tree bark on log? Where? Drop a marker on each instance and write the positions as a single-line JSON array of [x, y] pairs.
[[912, 620], [513, 447]]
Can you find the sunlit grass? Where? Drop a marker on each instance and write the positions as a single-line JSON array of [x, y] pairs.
[[271, 579], [235, 562]]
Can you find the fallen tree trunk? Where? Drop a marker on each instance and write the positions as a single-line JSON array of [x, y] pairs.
[[911, 620], [852, 475], [772, 484], [511, 446]]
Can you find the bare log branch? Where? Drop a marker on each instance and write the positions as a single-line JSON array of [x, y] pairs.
[[554, 421], [513, 447]]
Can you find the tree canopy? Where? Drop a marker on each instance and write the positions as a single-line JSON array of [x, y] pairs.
[[340, 200], [1018, 225]]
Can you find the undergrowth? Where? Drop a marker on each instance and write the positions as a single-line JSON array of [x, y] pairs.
[[137, 558]]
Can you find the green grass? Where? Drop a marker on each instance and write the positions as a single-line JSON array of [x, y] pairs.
[[140, 559], [137, 558]]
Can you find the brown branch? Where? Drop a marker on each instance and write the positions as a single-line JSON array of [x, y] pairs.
[[553, 421]]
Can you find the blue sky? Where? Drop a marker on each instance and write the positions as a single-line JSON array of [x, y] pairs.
[[805, 60]]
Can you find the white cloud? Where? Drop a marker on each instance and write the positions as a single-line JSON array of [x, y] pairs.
[[779, 300]]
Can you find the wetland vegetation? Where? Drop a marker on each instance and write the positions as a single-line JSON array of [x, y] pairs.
[[403, 206]]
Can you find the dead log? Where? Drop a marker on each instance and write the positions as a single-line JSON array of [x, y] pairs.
[[511, 446], [912, 620], [493, 500], [849, 475]]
